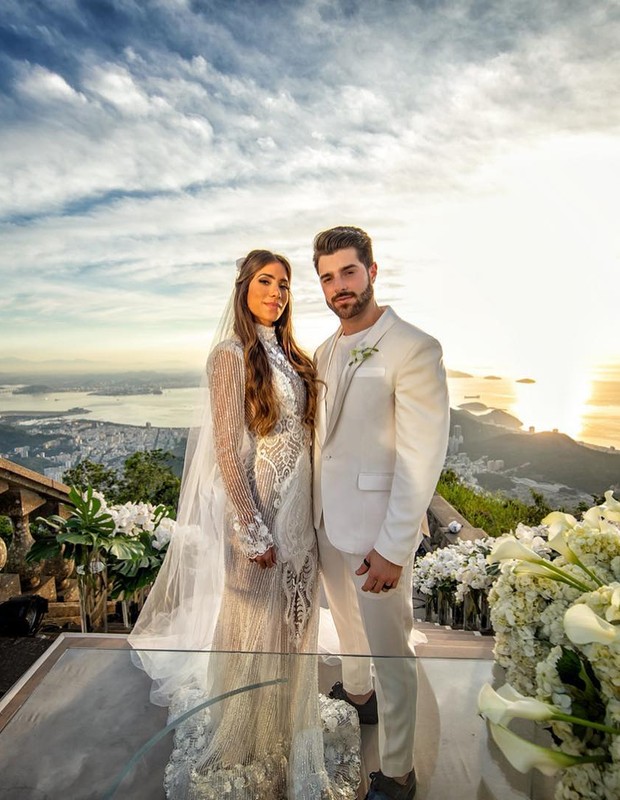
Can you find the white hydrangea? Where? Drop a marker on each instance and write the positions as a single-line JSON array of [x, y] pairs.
[[527, 611]]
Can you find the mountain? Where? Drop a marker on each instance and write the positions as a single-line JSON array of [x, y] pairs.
[[498, 417], [545, 457]]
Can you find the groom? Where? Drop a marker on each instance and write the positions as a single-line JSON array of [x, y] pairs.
[[381, 437]]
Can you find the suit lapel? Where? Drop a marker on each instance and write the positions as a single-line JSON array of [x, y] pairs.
[[375, 334], [323, 361]]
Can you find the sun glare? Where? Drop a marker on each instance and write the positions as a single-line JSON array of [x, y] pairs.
[[556, 401]]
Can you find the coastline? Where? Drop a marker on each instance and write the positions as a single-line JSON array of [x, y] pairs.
[[595, 420]]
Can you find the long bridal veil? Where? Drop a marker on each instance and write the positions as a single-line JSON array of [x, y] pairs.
[[176, 626]]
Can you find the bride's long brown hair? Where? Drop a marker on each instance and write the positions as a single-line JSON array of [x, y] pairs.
[[261, 404]]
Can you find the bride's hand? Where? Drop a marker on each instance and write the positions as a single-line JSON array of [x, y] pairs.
[[267, 559]]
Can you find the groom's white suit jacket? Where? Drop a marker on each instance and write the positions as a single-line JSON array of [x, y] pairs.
[[378, 456]]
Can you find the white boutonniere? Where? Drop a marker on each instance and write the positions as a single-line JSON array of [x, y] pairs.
[[359, 354]]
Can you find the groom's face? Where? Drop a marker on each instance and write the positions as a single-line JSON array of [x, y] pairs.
[[346, 283]]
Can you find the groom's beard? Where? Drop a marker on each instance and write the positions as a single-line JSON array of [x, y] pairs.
[[362, 301]]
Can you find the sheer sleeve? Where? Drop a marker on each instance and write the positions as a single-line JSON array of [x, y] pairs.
[[227, 388]]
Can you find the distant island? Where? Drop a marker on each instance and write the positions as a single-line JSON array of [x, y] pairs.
[[474, 406], [525, 380], [496, 416], [492, 378], [37, 388], [23, 414], [128, 392], [455, 373]]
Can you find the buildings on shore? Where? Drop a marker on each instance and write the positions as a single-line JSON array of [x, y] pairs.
[[53, 446]]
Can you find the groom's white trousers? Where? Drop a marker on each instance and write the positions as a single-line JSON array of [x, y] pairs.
[[382, 625]]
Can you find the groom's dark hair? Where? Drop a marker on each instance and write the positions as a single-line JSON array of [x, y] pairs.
[[328, 242]]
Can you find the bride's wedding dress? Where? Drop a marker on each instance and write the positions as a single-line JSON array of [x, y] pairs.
[[284, 740]]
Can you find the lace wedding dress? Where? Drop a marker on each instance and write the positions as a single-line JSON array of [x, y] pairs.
[[284, 740]]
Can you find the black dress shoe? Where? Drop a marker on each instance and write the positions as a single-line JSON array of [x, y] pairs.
[[384, 788], [367, 712]]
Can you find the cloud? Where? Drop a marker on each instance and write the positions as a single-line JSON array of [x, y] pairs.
[[145, 146]]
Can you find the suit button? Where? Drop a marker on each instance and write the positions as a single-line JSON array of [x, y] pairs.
[[326, 457]]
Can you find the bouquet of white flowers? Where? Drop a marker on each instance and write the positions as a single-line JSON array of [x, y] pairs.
[[556, 614], [152, 527]]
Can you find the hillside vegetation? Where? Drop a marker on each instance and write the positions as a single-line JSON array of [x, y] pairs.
[[493, 513]]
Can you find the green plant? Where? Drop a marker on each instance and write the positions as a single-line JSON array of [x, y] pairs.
[[91, 473], [148, 477], [129, 576], [86, 535], [493, 513], [6, 529]]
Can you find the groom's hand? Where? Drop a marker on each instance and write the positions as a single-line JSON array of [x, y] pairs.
[[382, 575]]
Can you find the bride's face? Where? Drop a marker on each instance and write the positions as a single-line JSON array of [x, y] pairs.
[[268, 293]]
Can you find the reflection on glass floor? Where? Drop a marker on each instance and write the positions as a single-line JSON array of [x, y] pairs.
[[70, 727]]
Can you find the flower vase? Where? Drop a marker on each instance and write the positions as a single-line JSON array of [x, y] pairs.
[[471, 610], [430, 608], [445, 604], [126, 613], [92, 583], [457, 614], [486, 626]]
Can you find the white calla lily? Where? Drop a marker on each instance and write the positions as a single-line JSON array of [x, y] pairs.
[[583, 626], [596, 518], [524, 755], [558, 522], [546, 569], [611, 507], [503, 705], [535, 569], [558, 543], [506, 703], [611, 504], [509, 547]]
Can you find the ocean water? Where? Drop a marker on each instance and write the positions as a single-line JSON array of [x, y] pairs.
[[589, 412], [172, 409]]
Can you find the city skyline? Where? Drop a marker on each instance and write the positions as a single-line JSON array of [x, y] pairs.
[[145, 147]]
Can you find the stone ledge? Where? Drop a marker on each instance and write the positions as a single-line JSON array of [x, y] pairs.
[[443, 514], [10, 586]]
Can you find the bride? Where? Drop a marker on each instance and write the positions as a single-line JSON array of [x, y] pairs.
[[235, 603]]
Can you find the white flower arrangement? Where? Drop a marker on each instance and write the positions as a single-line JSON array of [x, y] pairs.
[[463, 566], [556, 617], [150, 529], [133, 519]]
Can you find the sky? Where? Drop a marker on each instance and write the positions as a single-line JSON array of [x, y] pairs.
[[145, 146]]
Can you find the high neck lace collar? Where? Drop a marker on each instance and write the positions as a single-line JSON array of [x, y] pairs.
[[266, 333]]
